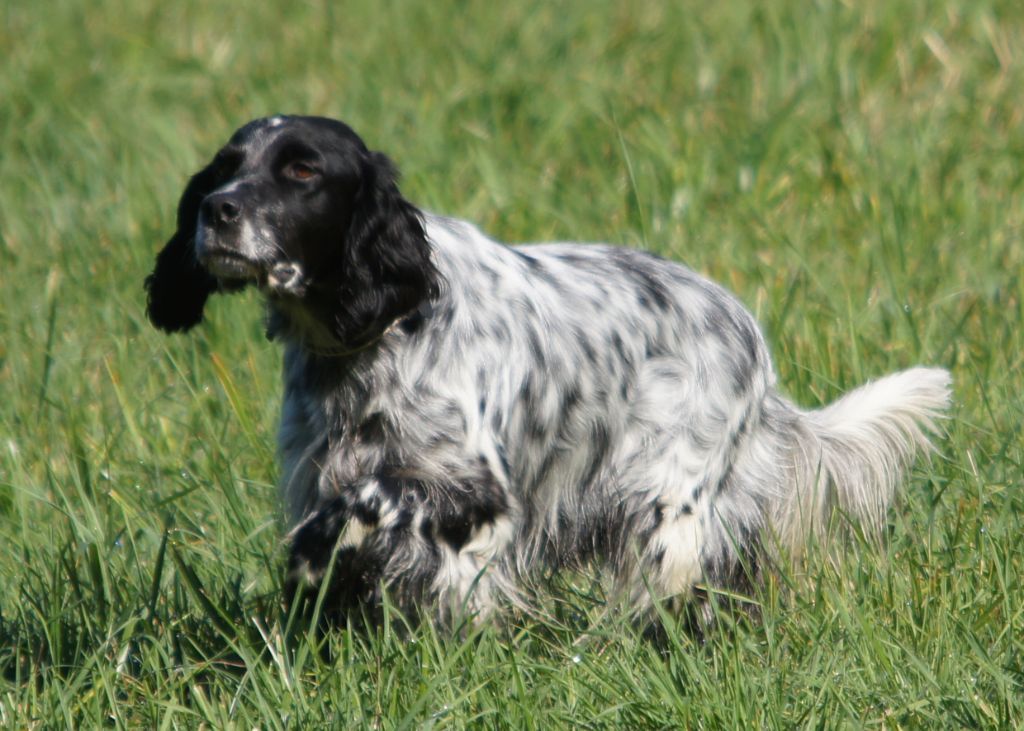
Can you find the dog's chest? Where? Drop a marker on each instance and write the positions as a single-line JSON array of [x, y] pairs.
[[330, 440]]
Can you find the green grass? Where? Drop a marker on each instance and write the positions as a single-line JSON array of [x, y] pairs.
[[853, 171]]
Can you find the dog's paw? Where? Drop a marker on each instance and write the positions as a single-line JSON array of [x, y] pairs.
[[312, 544]]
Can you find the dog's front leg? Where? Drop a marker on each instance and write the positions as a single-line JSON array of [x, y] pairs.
[[439, 548], [324, 558]]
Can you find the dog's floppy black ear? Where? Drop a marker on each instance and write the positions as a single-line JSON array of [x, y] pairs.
[[179, 286], [388, 264]]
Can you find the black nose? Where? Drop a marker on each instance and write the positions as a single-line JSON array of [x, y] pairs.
[[222, 209]]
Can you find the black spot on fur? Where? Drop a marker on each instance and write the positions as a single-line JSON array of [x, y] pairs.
[[461, 510], [535, 347], [575, 260], [526, 393], [536, 267], [726, 480], [392, 488], [657, 516], [454, 527], [535, 428], [490, 273], [620, 349], [588, 350], [500, 332], [313, 543], [445, 317], [750, 340], [600, 445], [741, 429], [546, 465], [427, 530], [649, 287], [367, 511], [571, 398], [372, 430]]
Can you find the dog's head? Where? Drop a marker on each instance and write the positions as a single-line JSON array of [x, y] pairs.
[[301, 208]]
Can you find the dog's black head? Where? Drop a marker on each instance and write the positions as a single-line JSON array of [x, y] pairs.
[[300, 207]]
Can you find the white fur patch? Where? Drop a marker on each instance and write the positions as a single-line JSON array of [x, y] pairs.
[[286, 277]]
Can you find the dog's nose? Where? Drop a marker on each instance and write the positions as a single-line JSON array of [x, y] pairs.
[[222, 209]]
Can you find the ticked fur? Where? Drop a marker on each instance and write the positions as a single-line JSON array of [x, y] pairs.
[[459, 414], [569, 403]]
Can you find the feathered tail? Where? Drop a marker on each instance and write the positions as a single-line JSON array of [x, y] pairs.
[[852, 453]]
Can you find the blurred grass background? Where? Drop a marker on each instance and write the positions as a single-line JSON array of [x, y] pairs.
[[853, 171]]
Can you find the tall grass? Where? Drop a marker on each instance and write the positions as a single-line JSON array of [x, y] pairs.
[[854, 171]]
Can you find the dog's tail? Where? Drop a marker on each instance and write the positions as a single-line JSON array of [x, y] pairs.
[[851, 454]]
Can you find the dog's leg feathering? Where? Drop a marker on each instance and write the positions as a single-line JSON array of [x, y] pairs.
[[428, 544]]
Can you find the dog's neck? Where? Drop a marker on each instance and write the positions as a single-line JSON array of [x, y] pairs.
[[290, 321]]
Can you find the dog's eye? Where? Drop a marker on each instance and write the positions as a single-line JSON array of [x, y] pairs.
[[300, 171]]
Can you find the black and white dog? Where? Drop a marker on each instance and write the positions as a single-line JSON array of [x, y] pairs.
[[459, 413]]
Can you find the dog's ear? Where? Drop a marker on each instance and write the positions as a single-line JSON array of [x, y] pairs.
[[179, 286], [387, 255]]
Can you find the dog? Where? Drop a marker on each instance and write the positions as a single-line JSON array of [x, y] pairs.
[[460, 416]]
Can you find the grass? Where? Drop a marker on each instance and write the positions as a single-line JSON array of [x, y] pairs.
[[854, 171]]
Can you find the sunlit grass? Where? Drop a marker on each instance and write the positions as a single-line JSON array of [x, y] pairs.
[[854, 172]]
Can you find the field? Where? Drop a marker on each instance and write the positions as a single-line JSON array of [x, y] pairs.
[[854, 171]]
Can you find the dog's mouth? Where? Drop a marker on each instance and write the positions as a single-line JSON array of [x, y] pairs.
[[282, 278], [235, 270], [226, 264]]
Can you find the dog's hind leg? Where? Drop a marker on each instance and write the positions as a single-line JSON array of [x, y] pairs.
[[692, 517]]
